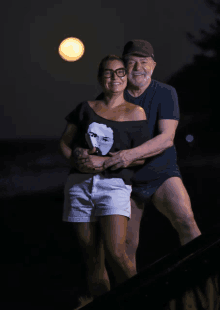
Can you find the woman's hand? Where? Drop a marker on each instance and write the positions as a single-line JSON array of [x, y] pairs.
[[84, 162]]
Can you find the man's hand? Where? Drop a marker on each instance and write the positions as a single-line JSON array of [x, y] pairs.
[[87, 163], [120, 159]]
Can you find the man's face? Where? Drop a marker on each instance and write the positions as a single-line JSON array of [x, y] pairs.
[[139, 70]]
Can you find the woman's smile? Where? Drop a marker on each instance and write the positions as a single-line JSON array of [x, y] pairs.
[[115, 83]]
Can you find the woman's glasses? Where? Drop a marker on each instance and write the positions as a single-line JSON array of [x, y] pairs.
[[109, 72]]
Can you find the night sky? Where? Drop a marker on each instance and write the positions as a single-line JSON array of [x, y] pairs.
[[39, 88]]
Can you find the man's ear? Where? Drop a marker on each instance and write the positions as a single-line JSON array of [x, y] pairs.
[[154, 65]]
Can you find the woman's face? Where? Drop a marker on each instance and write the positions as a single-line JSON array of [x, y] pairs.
[[114, 83]]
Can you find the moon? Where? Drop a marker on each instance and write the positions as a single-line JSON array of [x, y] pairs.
[[71, 49]]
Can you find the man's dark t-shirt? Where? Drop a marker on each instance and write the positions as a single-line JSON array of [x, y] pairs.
[[159, 101]]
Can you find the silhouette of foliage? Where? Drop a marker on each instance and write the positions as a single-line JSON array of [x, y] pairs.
[[209, 41], [197, 84]]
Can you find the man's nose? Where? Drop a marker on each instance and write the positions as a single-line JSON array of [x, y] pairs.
[[137, 66]]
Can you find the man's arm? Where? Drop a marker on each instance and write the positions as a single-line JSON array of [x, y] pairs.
[[163, 141], [82, 157], [138, 114], [137, 162], [89, 166]]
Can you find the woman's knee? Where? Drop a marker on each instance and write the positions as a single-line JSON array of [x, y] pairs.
[[88, 240], [114, 230], [85, 233], [116, 255], [115, 251]]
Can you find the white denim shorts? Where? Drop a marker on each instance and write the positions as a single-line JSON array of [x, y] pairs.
[[96, 196]]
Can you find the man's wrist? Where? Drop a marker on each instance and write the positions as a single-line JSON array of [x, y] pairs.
[[137, 162], [134, 154]]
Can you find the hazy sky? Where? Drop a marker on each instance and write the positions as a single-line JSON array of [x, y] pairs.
[[39, 88]]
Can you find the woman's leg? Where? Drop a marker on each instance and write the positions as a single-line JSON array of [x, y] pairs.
[[133, 229], [91, 244], [114, 230]]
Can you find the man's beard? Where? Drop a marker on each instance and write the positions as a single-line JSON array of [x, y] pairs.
[[133, 82]]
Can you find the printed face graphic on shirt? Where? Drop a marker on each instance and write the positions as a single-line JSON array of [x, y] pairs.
[[101, 137]]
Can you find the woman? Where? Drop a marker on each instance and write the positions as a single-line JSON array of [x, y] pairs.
[[98, 204]]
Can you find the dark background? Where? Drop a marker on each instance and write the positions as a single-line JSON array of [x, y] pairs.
[[39, 88], [41, 263]]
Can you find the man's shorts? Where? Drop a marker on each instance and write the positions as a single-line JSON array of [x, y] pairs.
[[96, 196], [144, 192]]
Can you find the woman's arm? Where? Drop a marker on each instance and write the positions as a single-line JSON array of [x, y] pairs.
[[65, 142]]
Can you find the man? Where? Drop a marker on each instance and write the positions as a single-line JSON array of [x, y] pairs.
[[159, 179]]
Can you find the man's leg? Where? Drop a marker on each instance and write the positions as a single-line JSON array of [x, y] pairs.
[[172, 200]]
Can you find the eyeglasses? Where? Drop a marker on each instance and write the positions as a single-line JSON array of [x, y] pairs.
[[120, 72]]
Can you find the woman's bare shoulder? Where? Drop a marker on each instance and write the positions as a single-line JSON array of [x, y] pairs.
[[130, 105], [136, 112], [135, 107]]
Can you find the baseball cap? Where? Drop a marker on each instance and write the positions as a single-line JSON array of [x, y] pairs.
[[138, 47]]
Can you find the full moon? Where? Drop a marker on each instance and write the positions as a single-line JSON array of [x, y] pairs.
[[71, 49]]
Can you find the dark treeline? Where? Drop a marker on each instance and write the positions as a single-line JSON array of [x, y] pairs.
[[197, 85]]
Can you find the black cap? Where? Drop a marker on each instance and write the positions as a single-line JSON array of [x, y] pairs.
[[138, 47]]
